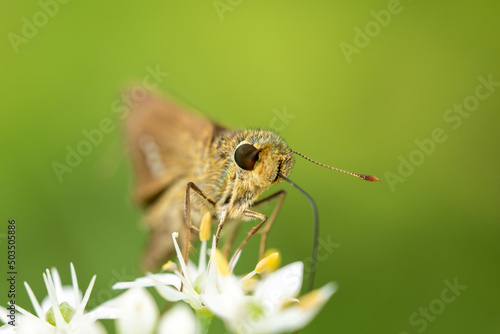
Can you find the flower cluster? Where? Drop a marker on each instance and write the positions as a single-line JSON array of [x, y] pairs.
[[263, 301]]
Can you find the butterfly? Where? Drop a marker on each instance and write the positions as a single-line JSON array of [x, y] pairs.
[[186, 165]]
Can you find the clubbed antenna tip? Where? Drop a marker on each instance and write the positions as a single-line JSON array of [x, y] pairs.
[[369, 178]]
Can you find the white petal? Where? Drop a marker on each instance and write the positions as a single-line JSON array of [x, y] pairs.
[[295, 317], [28, 320], [108, 310], [179, 320], [211, 279], [38, 309], [234, 260], [83, 325], [104, 312], [180, 257], [67, 295], [202, 265], [4, 315], [8, 329], [278, 287], [49, 284], [76, 290], [138, 312], [34, 325], [144, 282], [192, 270], [81, 306], [220, 305], [229, 301], [170, 293], [57, 283]]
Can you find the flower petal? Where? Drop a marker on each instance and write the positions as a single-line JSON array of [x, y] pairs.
[[76, 290], [38, 309], [57, 283], [279, 287], [225, 303], [144, 282], [179, 320], [296, 316], [170, 293], [49, 284], [85, 300], [4, 315], [138, 312]]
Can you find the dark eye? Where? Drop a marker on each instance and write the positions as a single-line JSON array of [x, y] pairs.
[[246, 156]]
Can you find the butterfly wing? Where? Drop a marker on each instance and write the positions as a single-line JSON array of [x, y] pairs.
[[166, 145]]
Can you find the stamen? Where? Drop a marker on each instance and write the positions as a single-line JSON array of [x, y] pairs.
[[205, 227], [310, 300], [221, 262], [268, 264], [185, 272], [169, 266]]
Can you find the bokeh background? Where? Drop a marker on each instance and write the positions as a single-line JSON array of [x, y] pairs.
[[358, 102]]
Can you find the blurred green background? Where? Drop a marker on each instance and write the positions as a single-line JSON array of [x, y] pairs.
[[360, 101]]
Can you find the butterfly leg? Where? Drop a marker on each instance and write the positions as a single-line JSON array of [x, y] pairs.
[[265, 232], [187, 212], [231, 240], [249, 213]]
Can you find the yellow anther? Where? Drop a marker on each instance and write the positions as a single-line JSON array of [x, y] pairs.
[[249, 284], [169, 266], [221, 262], [311, 299], [270, 251], [206, 227], [268, 264]]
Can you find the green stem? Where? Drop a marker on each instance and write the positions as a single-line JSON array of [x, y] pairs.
[[204, 319]]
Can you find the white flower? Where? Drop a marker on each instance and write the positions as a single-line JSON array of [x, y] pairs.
[[179, 320], [138, 312], [186, 285], [62, 311], [272, 308], [247, 305]]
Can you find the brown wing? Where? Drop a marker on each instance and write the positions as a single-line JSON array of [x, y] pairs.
[[166, 145]]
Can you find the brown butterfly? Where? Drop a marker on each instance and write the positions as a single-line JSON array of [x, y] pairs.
[[186, 165]]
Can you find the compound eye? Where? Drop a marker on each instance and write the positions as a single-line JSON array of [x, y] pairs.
[[246, 156]]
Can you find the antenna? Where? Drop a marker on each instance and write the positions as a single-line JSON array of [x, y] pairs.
[[361, 176], [314, 262]]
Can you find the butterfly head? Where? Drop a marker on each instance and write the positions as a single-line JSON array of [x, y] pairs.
[[261, 156]]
